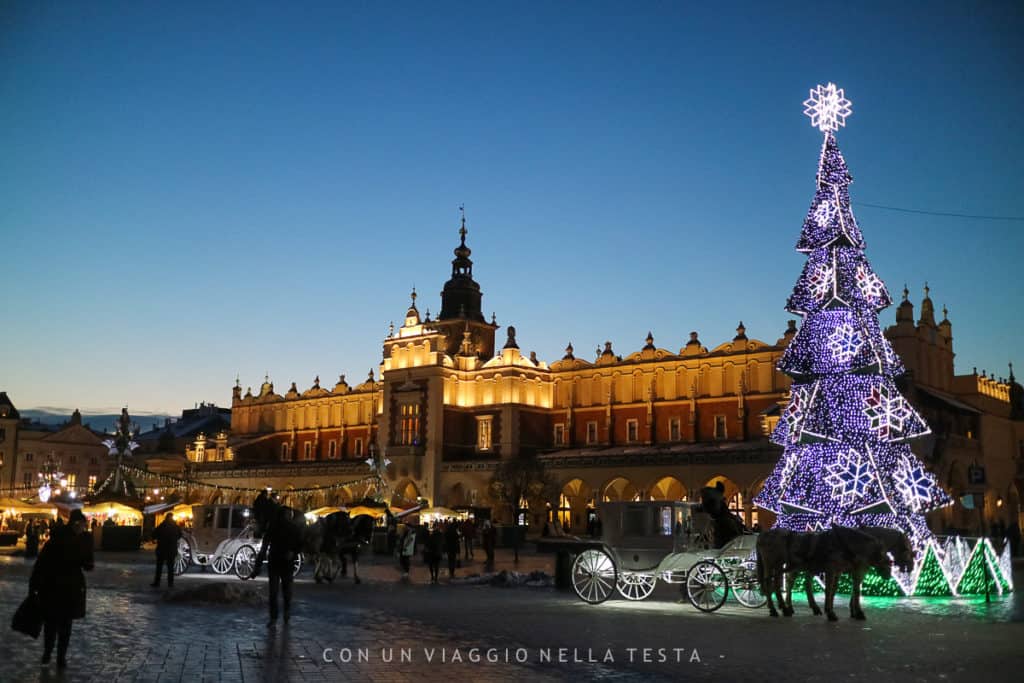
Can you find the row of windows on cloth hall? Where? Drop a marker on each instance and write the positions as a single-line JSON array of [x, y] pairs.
[[409, 434]]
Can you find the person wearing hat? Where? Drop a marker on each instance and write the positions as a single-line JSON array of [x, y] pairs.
[[58, 580]]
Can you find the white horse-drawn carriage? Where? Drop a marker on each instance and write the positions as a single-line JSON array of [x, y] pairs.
[[645, 541], [223, 538]]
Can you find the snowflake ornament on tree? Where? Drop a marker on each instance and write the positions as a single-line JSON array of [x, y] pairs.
[[850, 477], [796, 412], [915, 484], [827, 107], [820, 282], [824, 213], [886, 412], [845, 343], [870, 286]]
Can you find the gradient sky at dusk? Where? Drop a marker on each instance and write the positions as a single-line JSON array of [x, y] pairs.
[[192, 191]]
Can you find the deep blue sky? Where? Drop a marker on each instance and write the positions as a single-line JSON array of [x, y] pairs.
[[194, 190]]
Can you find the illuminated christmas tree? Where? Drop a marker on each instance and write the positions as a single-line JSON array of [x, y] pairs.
[[845, 431]]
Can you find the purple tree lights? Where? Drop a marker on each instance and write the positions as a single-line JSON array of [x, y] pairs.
[[846, 428]]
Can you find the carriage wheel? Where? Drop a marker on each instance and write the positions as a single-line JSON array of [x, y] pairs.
[[594, 576], [222, 563], [706, 586], [635, 586], [298, 564], [245, 562], [184, 559], [745, 586]]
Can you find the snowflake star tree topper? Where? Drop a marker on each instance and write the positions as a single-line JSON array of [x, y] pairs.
[[827, 107]]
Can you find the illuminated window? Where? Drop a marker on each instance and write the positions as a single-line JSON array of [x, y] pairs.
[[631, 431], [564, 512], [200, 452], [285, 455], [332, 450], [28, 456], [27, 478], [410, 426], [72, 479], [484, 426], [673, 429], [591, 432], [92, 482], [220, 452], [720, 432], [559, 434]]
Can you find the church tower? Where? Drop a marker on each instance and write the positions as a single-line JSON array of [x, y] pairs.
[[462, 306]]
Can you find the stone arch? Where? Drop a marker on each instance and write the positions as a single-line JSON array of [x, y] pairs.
[[572, 503], [619, 489], [404, 493], [667, 488]]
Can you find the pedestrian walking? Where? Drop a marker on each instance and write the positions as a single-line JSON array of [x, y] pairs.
[[435, 544], [489, 538], [451, 546], [468, 537], [167, 535], [407, 550], [58, 581], [281, 543]]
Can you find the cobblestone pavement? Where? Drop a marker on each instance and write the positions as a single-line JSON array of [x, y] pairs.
[[383, 630]]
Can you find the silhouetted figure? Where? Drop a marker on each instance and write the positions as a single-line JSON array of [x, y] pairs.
[[167, 535], [31, 540], [280, 545], [489, 539], [58, 580], [407, 550], [435, 541], [451, 546], [468, 536]]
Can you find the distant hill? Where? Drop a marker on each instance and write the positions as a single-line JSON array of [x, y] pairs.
[[101, 422]]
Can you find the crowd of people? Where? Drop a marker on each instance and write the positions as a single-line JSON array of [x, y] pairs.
[[442, 539]]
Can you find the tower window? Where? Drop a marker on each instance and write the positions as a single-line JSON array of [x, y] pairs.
[[332, 450], [285, 456], [307, 451], [673, 429], [410, 426], [591, 432], [484, 426], [559, 434]]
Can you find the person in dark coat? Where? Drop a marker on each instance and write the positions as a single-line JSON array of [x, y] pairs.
[[167, 535], [280, 545], [434, 544], [31, 540], [58, 580], [451, 546]]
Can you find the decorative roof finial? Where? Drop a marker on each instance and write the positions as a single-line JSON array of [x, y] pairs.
[[945, 313], [926, 290], [413, 295], [649, 340], [462, 230], [1012, 378], [427, 319], [494, 318], [238, 381], [906, 292], [391, 329], [568, 352]]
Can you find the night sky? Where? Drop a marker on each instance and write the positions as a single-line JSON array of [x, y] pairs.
[[197, 190]]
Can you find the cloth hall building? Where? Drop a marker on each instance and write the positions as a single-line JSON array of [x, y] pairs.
[[448, 404]]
